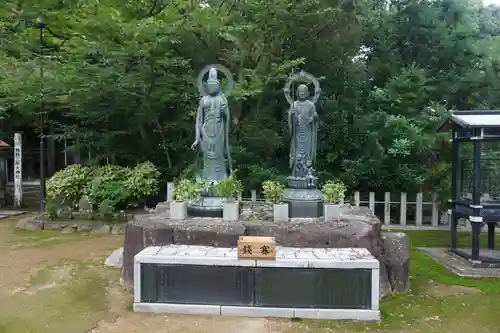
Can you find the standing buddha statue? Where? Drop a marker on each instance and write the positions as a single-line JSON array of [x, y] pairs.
[[212, 140]]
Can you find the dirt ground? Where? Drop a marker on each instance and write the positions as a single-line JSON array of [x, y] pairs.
[[57, 283], [30, 267]]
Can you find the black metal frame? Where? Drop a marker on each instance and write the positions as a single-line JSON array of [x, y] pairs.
[[476, 212]]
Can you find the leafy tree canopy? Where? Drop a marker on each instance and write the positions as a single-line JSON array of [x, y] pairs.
[[119, 75]]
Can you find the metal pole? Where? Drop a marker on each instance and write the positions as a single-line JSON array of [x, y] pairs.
[[41, 26]]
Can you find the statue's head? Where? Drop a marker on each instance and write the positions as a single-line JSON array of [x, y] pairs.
[[212, 82], [302, 92]]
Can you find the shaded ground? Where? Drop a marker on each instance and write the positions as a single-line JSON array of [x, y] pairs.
[[53, 282]]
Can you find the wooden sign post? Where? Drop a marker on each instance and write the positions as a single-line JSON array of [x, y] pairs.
[[260, 248]]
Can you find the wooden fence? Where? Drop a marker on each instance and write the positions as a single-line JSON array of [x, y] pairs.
[[418, 209]]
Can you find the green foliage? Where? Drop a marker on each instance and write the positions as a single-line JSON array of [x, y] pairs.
[[334, 191], [113, 191], [69, 183], [106, 210], [229, 188], [51, 207], [273, 191], [119, 78], [143, 181], [119, 186], [185, 190]]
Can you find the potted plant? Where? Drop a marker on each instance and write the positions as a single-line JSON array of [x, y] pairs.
[[229, 189], [273, 192], [185, 190], [333, 192]]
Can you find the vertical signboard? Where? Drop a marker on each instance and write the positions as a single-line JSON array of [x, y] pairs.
[[18, 170]]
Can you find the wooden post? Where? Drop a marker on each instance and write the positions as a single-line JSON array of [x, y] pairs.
[[435, 210], [356, 199], [371, 201], [402, 203], [387, 208], [419, 204], [18, 170]]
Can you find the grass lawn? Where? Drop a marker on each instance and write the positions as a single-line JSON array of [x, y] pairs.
[[439, 301], [56, 283]]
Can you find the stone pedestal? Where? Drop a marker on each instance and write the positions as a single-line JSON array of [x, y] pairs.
[[303, 202], [356, 228], [206, 207]]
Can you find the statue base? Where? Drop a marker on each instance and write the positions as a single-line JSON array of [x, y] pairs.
[[303, 202], [205, 207]]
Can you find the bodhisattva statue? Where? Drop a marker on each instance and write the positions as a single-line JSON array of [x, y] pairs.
[[302, 195], [212, 140], [303, 123], [212, 126]]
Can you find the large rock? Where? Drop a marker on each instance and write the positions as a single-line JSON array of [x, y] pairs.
[[396, 259], [115, 259], [358, 227], [157, 229], [30, 223]]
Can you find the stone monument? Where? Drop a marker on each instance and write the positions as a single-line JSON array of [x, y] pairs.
[[212, 140], [302, 195]]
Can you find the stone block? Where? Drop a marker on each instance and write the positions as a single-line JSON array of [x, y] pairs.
[[178, 210], [118, 229], [87, 226], [55, 225], [396, 258], [201, 232], [231, 211], [30, 223], [280, 212]]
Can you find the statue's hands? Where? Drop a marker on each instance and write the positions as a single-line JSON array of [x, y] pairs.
[[195, 144]]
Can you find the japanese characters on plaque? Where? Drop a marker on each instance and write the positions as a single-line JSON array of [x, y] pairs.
[[250, 247], [18, 170]]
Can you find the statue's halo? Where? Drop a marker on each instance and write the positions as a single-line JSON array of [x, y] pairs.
[[302, 76], [219, 68]]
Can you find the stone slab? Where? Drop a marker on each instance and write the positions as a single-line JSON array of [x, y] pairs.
[[244, 311], [250, 311], [115, 259], [459, 265], [345, 258], [192, 309], [8, 213]]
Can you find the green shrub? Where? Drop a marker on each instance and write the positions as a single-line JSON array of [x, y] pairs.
[[119, 186], [69, 183], [112, 172], [106, 210], [334, 191], [185, 190], [101, 189], [142, 181], [51, 207], [228, 188], [273, 191]]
